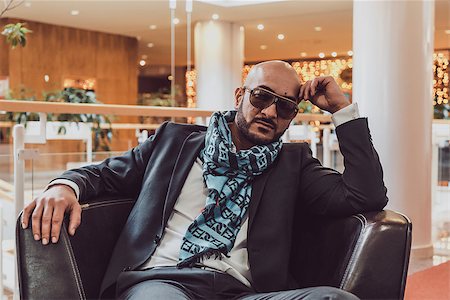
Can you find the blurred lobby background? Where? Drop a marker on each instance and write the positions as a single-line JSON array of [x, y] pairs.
[[391, 57]]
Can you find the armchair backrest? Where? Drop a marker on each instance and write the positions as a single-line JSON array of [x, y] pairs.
[[366, 254], [74, 267]]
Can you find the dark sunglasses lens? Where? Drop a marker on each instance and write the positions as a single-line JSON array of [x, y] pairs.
[[261, 99], [285, 109]]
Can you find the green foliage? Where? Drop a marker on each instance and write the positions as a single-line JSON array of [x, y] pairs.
[[16, 34], [441, 111], [307, 108], [102, 137]]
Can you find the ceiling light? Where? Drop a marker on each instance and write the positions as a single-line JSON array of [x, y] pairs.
[[321, 55], [280, 36], [152, 27], [142, 62], [350, 53], [150, 45], [144, 56], [176, 21], [215, 17], [260, 26], [447, 31], [46, 78], [74, 12], [263, 47], [318, 28], [303, 54], [170, 77], [334, 54]]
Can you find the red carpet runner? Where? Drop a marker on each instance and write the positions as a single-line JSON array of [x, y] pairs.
[[432, 283]]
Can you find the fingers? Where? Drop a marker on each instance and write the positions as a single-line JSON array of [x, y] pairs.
[[46, 221], [36, 218], [313, 87], [75, 218], [305, 89], [27, 213], [57, 219]]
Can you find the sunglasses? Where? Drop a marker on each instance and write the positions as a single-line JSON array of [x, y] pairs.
[[262, 98]]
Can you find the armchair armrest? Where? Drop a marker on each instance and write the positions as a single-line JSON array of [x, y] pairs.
[[365, 254], [74, 267]]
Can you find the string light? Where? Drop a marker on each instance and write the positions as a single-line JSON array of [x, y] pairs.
[[309, 69]]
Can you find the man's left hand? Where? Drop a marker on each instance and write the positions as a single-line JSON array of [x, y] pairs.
[[325, 93]]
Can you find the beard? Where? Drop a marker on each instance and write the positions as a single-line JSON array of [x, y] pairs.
[[244, 129]]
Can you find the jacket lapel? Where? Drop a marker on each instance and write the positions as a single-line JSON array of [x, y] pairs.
[[186, 157], [258, 187]]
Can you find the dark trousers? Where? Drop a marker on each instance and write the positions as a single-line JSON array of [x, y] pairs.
[[194, 283]]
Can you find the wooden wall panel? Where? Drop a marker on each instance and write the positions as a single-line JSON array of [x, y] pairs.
[[4, 52], [63, 52]]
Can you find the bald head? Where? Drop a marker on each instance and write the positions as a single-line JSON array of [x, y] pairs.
[[275, 74]]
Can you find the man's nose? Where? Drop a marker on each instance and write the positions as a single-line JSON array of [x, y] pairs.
[[271, 111]]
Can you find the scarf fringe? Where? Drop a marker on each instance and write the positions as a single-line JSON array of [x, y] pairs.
[[201, 256]]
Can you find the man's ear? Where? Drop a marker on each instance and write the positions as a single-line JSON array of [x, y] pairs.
[[238, 95]]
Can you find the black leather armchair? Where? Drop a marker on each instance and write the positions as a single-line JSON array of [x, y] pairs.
[[366, 254]]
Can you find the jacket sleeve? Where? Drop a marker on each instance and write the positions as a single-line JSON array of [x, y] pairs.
[[117, 176], [359, 189]]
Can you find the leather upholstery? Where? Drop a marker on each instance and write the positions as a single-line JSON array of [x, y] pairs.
[[366, 254]]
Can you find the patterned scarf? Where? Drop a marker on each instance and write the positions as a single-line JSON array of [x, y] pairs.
[[228, 176]]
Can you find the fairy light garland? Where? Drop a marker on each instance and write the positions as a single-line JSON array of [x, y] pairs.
[[309, 69]]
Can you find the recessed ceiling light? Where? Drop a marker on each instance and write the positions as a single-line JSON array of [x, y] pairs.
[[74, 12], [260, 26], [334, 54], [350, 53], [46, 78], [152, 27], [144, 56], [447, 31], [303, 54], [318, 28], [150, 45], [142, 62], [176, 21], [321, 55], [263, 47], [280, 36], [215, 17]]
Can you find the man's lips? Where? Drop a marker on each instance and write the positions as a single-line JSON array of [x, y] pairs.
[[266, 123]]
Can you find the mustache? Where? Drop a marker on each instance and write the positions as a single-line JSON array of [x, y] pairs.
[[267, 120]]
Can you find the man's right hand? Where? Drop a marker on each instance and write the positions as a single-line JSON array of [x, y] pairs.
[[47, 212]]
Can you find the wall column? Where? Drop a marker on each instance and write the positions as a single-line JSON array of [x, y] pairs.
[[392, 83], [219, 58]]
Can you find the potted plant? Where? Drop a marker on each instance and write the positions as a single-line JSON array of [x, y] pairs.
[[65, 126]]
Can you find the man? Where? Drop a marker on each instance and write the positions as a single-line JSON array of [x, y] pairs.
[[237, 243]]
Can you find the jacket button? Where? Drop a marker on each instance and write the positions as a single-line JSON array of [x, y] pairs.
[[157, 239]]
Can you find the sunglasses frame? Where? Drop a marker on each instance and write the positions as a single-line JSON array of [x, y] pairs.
[[276, 97]]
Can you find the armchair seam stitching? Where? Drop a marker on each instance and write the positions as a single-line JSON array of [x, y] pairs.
[[362, 219], [74, 268]]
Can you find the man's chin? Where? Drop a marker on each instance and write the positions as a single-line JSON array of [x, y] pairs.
[[260, 138]]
